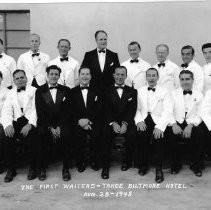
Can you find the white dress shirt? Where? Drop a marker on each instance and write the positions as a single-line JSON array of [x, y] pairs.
[[20, 96], [3, 95], [7, 67], [136, 72], [207, 77], [198, 74], [187, 101], [150, 99], [69, 74], [119, 90], [53, 93], [84, 94], [168, 75], [101, 58]]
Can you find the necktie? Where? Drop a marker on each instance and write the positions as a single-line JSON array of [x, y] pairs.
[[184, 65], [153, 89], [64, 59], [161, 64], [187, 92], [84, 87], [1, 56], [53, 87], [35, 54], [119, 87], [21, 89], [134, 60], [101, 51]]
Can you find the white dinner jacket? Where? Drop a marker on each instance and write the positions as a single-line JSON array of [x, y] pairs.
[[193, 113], [3, 95], [11, 110], [162, 107]]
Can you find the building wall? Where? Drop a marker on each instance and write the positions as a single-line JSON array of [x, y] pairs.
[[173, 23]]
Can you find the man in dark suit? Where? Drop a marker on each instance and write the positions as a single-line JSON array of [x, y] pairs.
[[120, 109], [51, 100], [86, 109], [101, 62]]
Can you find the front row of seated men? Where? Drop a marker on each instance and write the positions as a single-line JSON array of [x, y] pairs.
[[54, 114]]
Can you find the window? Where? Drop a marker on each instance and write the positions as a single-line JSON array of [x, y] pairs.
[[15, 31]]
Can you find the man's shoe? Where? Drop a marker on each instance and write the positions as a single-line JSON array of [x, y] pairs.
[[159, 176], [197, 172], [81, 167], [10, 175], [94, 166], [42, 175], [142, 171], [66, 174], [125, 166], [105, 173], [175, 169], [31, 174]]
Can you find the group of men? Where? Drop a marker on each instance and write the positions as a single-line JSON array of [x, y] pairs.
[[61, 103]]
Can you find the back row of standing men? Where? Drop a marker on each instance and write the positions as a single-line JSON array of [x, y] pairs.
[[101, 64]]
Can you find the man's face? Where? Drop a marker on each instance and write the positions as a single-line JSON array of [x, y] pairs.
[[207, 54], [119, 76], [162, 53], [134, 51], [63, 48], [101, 40], [53, 76], [186, 81], [20, 79], [152, 78], [187, 55], [34, 43], [84, 76], [1, 47]]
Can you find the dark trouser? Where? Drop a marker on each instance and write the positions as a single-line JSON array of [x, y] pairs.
[[81, 142], [2, 136], [45, 141], [109, 135], [144, 139], [195, 143], [29, 142]]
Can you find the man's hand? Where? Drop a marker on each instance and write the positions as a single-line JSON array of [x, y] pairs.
[[25, 130], [123, 128], [158, 133], [187, 131], [54, 134], [58, 131], [116, 127], [83, 122], [141, 126], [176, 129], [9, 131], [87, 127]]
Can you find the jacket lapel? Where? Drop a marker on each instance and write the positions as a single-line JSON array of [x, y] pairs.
[[156, 98], [96, 61], [59, 95], [47, 96]]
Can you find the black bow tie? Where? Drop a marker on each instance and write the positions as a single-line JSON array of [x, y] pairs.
[[53, 87], [20, 89], [161, 64], [101, 51], [64, 59], [134, 60], [119, 87], [84, 87], [35, 54], [184, 65], [1, 56], [153, 89], [187, 92]]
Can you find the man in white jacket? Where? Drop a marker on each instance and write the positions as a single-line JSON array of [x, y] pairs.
[[186, 122], [152, 117], [19, 121]]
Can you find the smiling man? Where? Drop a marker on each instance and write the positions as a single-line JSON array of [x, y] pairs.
[[120, 108]]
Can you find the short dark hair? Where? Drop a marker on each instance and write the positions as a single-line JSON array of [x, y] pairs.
[[189, 47], [152, 69], [134, 42], [1, 75], [83, 67], [121, 67], [100, 31], [63, 40], [1, 41], [17, 71], [53, 67], [204, 46], [186, 72]]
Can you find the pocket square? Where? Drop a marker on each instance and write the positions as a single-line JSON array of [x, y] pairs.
[[64, 99], [112, 64], [129, 99], [95, 98]]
